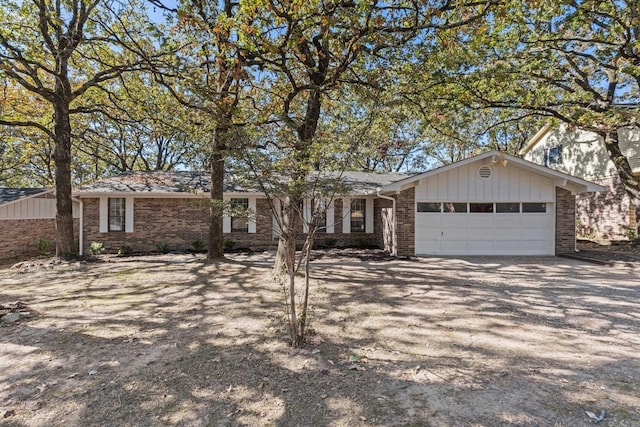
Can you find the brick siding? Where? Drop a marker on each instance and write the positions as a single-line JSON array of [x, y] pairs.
[[607, 215], [405, 219], [565, 222], [20, 237], [180, 222]]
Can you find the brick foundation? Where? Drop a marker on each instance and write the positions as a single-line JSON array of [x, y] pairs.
[[565, 222]]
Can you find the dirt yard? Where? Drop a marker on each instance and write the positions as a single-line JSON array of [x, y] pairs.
[[173, 340]]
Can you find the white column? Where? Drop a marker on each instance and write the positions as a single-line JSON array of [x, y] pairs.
[[331, 219], [128, 212], [252, 219]]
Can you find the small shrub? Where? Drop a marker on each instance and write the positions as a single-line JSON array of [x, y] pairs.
[[43, 246], [124, 250], [198, 245], [329, 242], [162, 248], [96, 248], [631, 234], [229, 245]]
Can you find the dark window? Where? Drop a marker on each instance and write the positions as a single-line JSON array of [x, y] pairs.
[[358, 215], [116, 214], [455, 207], [481, 207], [239, 218], [429, 207], [534, 207], [508, 207], [553, 157]]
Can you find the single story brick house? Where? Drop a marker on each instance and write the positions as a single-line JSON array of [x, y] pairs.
[[491, 204], [27, 220]]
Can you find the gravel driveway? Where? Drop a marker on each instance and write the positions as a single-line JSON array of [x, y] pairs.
[[174, 340]]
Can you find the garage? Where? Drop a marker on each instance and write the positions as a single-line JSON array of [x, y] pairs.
[[491, 204], [494, 228]]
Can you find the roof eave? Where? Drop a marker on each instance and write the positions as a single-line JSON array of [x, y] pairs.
[[533, 141]]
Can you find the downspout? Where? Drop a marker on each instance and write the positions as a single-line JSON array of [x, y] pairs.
[[394, 251], [80, 228]]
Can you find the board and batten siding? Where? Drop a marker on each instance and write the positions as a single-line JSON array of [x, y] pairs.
[[33, 208], [506, 184]]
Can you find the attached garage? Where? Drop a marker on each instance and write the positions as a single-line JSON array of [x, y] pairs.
[[492, 204]]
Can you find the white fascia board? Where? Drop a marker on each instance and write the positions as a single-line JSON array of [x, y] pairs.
[[533, 141], [524, 164]]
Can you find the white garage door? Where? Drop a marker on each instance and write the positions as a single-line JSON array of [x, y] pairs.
[[485, 228]]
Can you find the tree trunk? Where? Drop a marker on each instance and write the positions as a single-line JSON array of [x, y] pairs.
[[630, 183], [65, 242], [216, 236]]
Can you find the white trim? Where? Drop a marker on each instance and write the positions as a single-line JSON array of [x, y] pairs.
[[306, 215], [128, 215], [528, 146], [346, 215], [104, 214], [369, 216], [252, 218], [80, 229], [331, 218], [226, 224], [573, 182]]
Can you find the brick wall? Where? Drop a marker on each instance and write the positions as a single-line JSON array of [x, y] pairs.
[[406, 230], [20, 237], [606, 215], [179, 222], [565, 221]]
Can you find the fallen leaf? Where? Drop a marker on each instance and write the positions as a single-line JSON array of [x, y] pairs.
[[93, 372]]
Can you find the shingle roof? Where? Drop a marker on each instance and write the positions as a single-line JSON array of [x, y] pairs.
[[199, 182], [11, 194]]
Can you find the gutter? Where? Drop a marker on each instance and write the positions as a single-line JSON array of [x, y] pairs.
[[394, 247]]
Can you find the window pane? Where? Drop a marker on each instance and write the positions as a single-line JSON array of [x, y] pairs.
[[358, 215], [319, 213], [508, 207], [429, 207], [481, 207], [455, 207], [239, 219], [534, 207], [116, 214], [555, 155]]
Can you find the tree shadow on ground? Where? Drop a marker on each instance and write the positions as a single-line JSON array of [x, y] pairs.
[[426, 342]]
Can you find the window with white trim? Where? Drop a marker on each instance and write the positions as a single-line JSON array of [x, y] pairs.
[[239, 217], [358, 215], [117, 210]]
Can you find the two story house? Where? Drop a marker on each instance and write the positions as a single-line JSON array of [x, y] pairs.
[[604, 216]]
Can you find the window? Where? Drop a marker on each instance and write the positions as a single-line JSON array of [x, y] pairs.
[[481, 207], [319, 213], [116, 214], [358, 213], [534, 207], [553, 156], [239, 218], [450, 207], [429, 207], [508, 207]]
